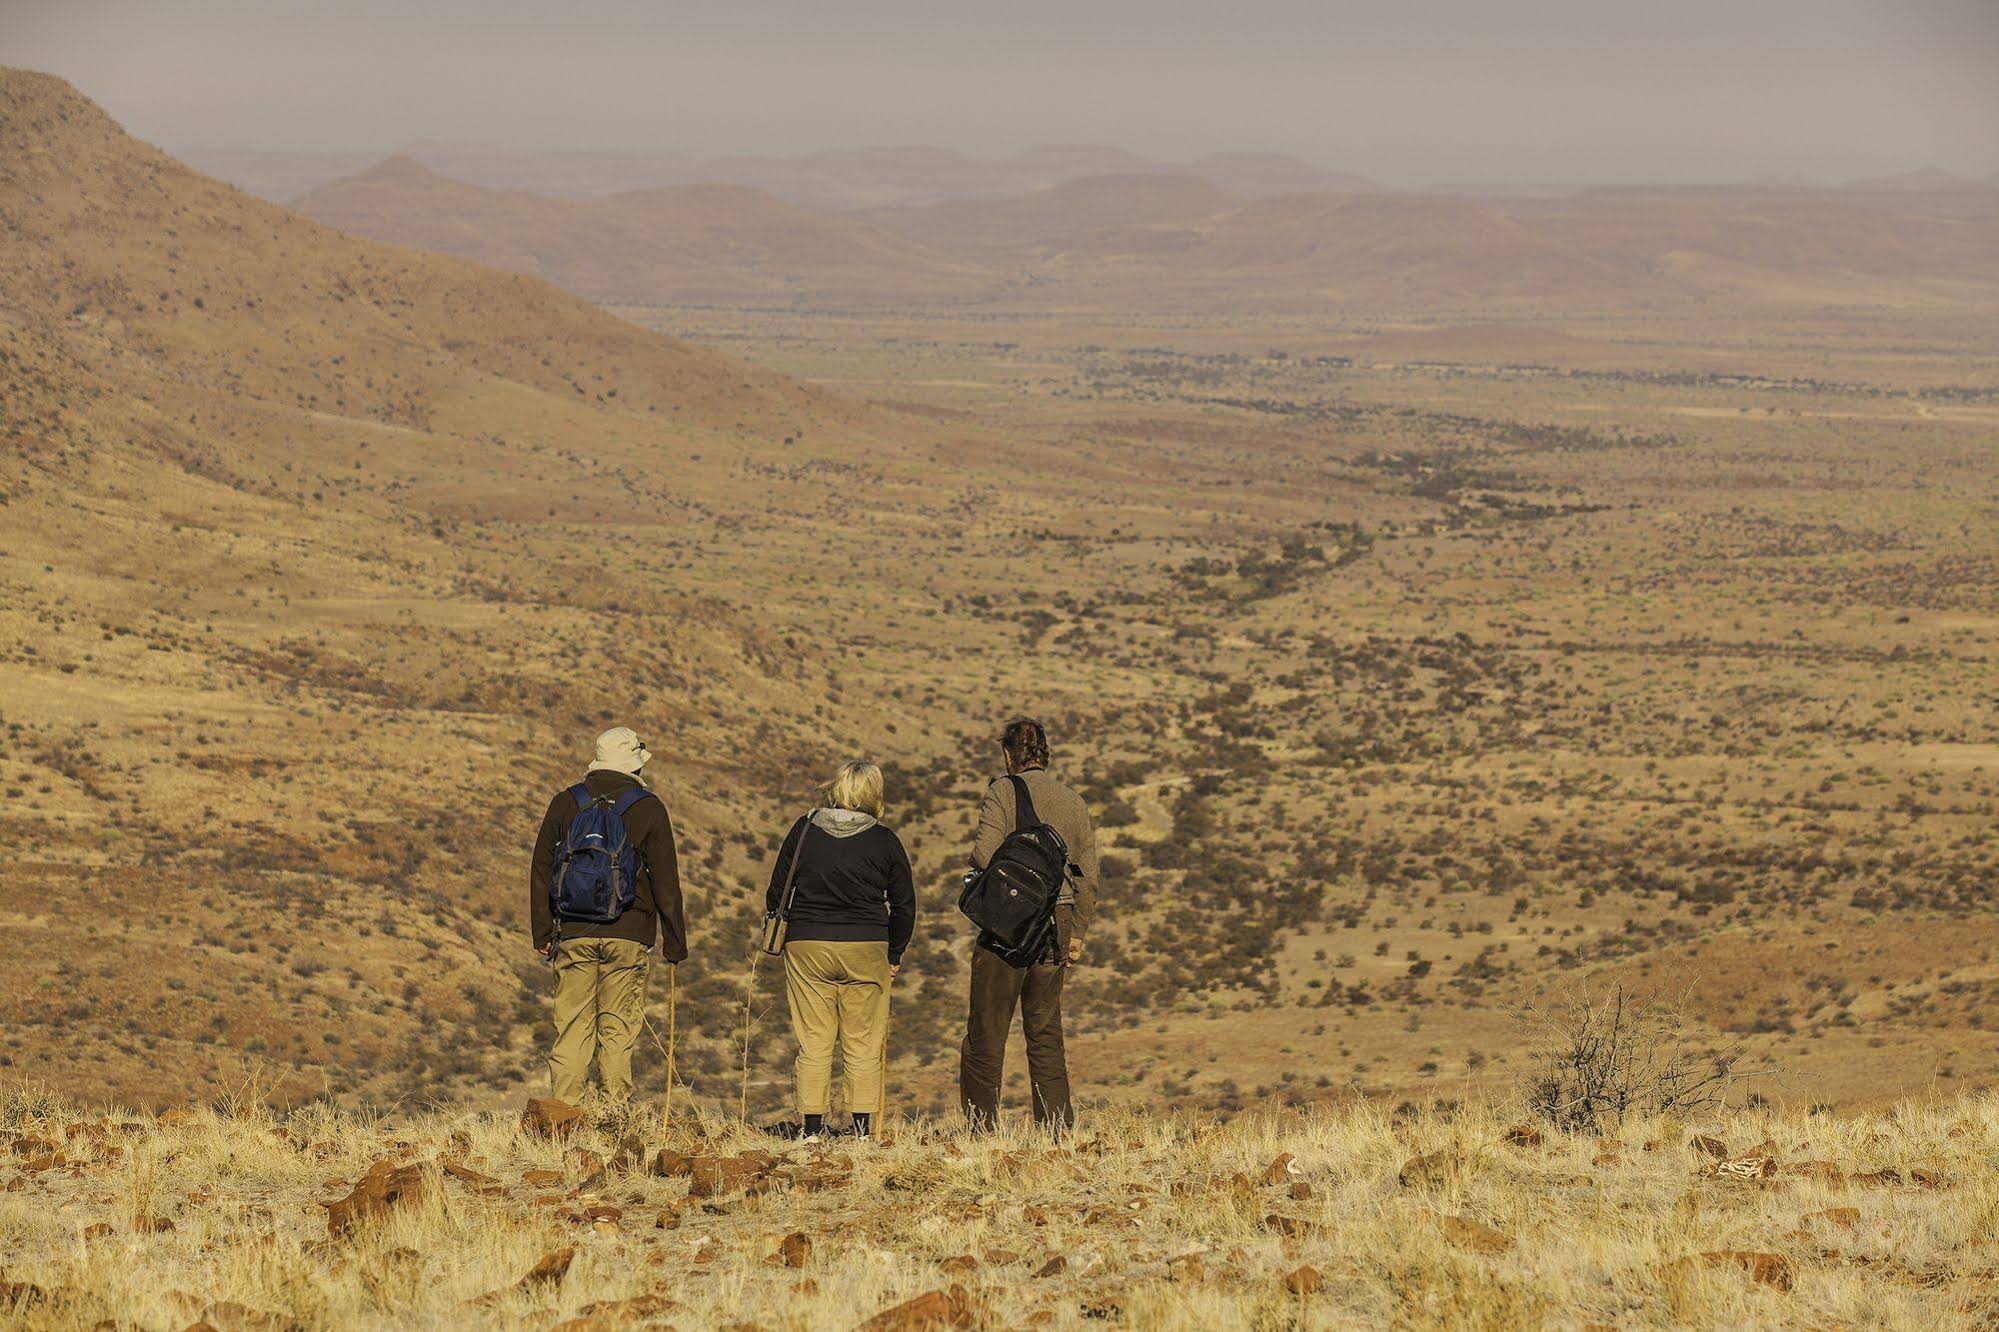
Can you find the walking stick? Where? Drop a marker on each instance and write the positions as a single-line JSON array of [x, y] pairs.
[[883, 1115], [672, 1035]]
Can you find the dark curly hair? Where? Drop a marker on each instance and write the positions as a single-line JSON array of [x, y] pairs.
[[1026, 743]]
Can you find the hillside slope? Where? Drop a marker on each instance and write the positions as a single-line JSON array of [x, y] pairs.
[[307, 607]]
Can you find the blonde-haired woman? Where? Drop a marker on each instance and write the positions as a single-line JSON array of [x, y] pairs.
[[851, 910]]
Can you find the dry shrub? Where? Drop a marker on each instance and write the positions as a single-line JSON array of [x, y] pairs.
[[1619, 1054]]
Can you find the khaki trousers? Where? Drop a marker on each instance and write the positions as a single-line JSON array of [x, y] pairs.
[[600, 1003], [839, 997]]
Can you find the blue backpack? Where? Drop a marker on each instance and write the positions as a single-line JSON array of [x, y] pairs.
[[596, 873]]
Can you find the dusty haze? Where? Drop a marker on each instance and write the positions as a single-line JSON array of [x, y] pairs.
[[1424, 92]]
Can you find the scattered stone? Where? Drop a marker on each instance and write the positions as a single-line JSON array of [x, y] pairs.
[[384, 1188], [1300, 1191], [1523, 1136], [630, 1155], [1820, 1170], [1926, 1179], [955, 1307], [666, 1163], [795, 1249], [242, 1318], [668, 1219], [1290, 1227], [1846, 1218], [19, 1295], [1713, 1148], [1473, 1236], [100, 1230], [1766, 1269], [1880, 1179], [549, 1269], [962, 1265], [550, 1117], [1609, 1154], [1304, 1281], [604, 1212], [1055, 1266], [1433, 1171], [1743, 1167], [1282, 1170], [637, 1307], [713, 1176], [588, 1166], [541, 1178], [460, 1171], [151, 1225]]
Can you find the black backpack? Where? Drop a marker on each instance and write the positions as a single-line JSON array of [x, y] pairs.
[[1012, 900]]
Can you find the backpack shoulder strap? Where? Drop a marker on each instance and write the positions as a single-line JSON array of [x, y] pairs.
[[581, 795], [626, 799], [1023, 804]]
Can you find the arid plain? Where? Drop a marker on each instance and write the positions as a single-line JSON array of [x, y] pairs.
[[1440, 632]]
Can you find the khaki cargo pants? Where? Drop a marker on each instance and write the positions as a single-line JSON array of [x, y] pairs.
[[839, 997], [600, 1003]]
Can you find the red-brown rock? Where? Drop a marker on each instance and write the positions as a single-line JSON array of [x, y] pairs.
[[384, 1188], [550, 1117], [956, 1307], [1766, 1269], [549, 1269]]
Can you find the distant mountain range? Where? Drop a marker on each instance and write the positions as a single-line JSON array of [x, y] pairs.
[[1174, 239], [827, 181]]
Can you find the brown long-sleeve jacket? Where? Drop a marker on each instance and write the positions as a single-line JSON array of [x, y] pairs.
[[656, 914]]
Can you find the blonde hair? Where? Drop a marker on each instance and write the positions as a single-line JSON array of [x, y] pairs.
[[856, 786]]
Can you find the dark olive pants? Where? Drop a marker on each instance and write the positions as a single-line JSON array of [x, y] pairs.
[[997, 990]]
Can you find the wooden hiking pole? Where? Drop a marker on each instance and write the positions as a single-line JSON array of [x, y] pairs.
[[672, 1015], [882, 1112]]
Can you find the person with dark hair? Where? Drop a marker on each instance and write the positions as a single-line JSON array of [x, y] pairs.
[[999, 987]]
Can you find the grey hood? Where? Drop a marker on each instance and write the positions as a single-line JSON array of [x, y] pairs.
[[842, 822]]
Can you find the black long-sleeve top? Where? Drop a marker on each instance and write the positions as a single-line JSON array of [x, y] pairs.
[[851, 885]]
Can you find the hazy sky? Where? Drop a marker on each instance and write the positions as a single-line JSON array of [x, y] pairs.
[[1406, 91]]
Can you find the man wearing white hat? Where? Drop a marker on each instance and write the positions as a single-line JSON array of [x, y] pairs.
[[605, 884]]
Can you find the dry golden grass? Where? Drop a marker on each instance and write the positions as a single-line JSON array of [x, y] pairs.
[[1172, 1222]]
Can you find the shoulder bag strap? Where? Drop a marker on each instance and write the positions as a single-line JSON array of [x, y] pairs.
[[784, 899]]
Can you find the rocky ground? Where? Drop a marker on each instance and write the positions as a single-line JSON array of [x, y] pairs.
[[235, 1218]]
